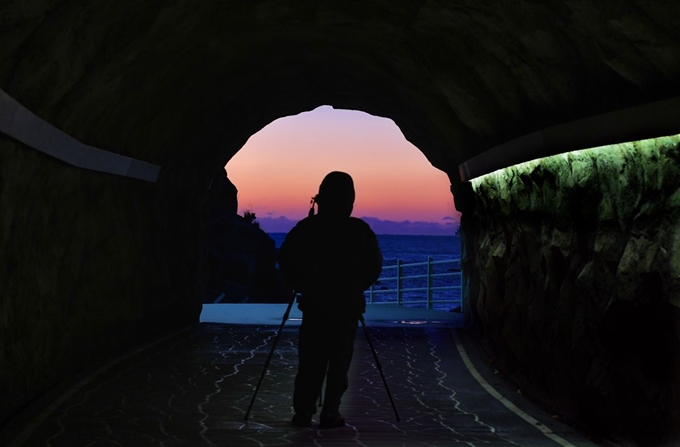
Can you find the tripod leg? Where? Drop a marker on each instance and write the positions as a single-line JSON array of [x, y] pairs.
[[271, 353], [379, 366], [321, 393]]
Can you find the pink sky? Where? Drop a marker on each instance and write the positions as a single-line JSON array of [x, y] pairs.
[[279, 169]]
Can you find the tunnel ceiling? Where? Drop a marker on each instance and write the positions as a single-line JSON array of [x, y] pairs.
[[184, 80]]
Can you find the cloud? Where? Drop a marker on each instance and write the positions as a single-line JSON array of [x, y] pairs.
[[279, 224], [409, 227], [283, 224]]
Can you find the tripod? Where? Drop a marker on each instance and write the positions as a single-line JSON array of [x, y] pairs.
[[276, 339], [379, 366]]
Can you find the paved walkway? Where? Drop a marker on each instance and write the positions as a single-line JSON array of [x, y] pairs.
[[192, 389], [382, 315]]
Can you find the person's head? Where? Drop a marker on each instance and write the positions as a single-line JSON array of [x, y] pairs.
[[336, 195]]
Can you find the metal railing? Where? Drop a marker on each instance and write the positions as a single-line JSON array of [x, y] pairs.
[[429, 288]]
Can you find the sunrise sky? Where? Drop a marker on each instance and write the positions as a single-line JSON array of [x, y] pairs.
[[280, 168]]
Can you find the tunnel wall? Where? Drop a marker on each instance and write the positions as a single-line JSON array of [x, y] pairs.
[[573, 266], [91, 265]]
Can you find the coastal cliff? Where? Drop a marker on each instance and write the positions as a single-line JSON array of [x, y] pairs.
[[239, 258]]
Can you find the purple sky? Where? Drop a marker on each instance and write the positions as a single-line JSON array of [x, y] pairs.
[[279, 169]]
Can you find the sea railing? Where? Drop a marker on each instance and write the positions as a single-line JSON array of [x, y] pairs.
[[409, 293]]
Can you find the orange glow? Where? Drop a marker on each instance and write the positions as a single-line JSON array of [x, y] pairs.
[[280, 168]]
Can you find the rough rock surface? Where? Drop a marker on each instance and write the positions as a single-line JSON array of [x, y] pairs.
[[574, 266]]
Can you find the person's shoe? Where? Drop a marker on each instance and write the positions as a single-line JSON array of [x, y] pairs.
[[331, 421], [302, 420]]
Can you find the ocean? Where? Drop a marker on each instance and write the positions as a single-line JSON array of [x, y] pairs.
[[415, 249]]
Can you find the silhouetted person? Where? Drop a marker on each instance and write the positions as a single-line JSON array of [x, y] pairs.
[[330, 259]]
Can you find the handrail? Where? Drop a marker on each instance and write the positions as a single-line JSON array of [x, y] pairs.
[[428, 288], [22, 125]]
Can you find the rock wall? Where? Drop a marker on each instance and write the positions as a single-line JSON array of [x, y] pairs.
[[87, 260], [240, 258], [573, 266], [91, 264]]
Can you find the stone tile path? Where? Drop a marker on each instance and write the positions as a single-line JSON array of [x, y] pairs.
[[193, 390]]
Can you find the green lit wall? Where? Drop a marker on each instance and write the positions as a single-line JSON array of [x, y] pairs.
[[573, 264]]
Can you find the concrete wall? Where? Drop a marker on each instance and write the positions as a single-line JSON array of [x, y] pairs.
[[90, 264], [574, 279]]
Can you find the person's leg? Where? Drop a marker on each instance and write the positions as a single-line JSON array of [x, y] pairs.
[[311, 369], [340, 358]]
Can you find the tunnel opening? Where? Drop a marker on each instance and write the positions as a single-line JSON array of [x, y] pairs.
[[269, 181]]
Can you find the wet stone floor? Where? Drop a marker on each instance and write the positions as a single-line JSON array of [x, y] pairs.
[[193, 389]]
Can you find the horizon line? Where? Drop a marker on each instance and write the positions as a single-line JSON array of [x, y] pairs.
[[449, 227], [450, 219], [385, 234]]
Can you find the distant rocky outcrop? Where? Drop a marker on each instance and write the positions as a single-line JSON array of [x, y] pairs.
[[573, 264], [240, 258]]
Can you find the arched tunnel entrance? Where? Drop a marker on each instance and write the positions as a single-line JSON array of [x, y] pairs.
[[87, 254], [273, 176]]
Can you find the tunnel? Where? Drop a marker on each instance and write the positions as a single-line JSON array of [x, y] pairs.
[[571, 264]]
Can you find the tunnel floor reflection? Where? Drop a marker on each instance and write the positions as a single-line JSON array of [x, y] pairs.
[[193, 389]]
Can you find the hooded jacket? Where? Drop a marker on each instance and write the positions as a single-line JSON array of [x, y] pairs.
[[331, 261]]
